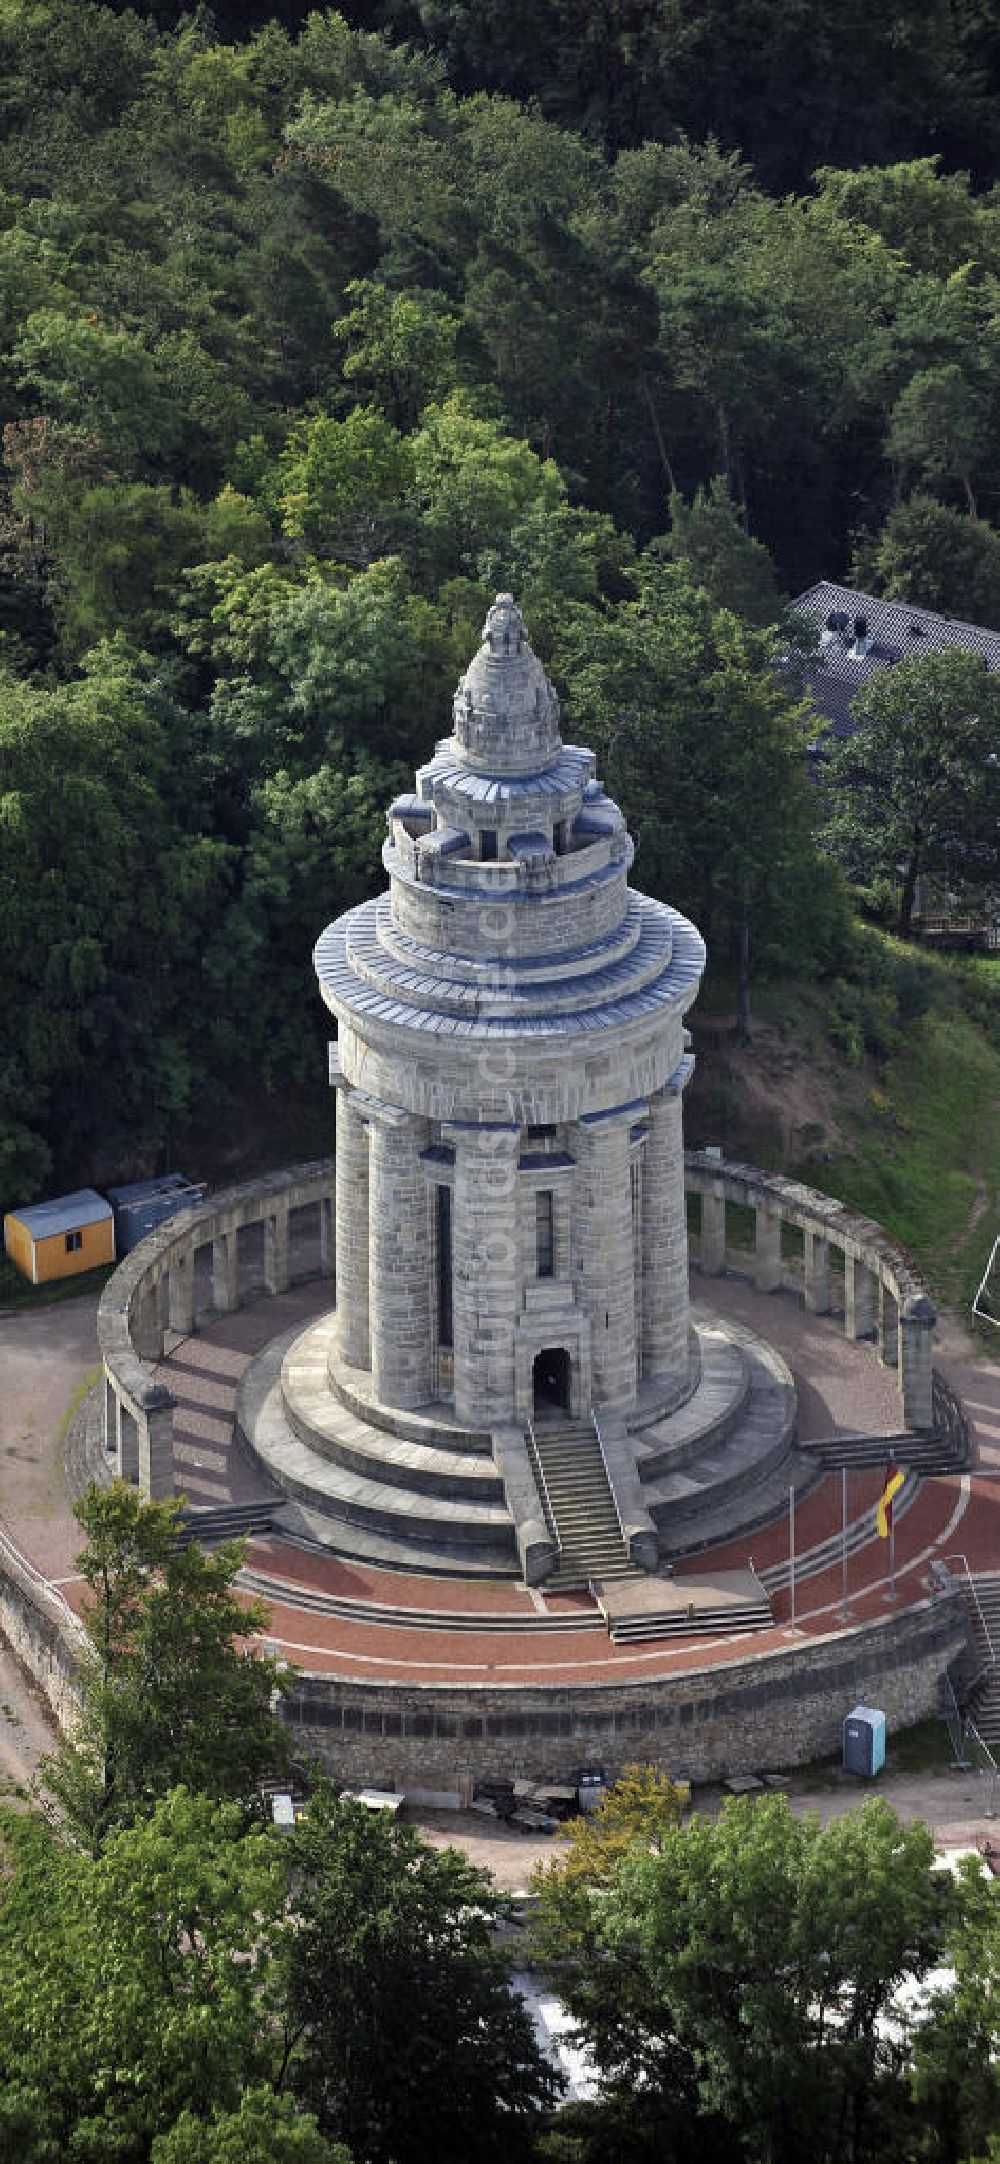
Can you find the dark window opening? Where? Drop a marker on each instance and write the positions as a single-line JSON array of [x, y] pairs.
[[488, 845], [444, 1266], [544, 1248], [74, 1242]]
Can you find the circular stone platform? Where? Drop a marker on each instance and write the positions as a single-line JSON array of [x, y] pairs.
[[419, 1491]]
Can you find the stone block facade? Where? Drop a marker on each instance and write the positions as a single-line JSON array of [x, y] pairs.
[[509, 1066]]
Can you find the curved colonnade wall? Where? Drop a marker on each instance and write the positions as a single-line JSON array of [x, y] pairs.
[[756, 1711], [848, 1268]]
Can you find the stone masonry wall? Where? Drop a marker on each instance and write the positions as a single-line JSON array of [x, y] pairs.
[[42, 1635], [757, 1714]]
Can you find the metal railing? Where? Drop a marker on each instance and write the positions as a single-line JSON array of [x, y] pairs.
[[982, 1314], [543, 1488], [9, 1549], [990, 1767], [607, 1476], [947, 1560], [954, 1721]]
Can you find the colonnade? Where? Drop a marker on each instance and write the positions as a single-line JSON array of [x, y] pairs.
[[883, 1299]]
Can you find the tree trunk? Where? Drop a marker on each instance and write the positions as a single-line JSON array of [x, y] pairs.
[[743, 981], [910, 877], [657, 432]]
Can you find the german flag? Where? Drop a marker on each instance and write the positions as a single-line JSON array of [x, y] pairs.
[[891, 1485]]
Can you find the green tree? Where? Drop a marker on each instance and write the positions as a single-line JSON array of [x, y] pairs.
[[934, 558], [955, 2076], [401, 348], [758, 1958], [708, 537], [140, 1987], [414, 2048], [172, 1692], [705, 752], [266, 2129], [914, 793]]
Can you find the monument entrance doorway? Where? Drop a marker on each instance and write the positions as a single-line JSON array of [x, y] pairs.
[[550, 1381]]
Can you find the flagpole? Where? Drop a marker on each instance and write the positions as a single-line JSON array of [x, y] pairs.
[[844, 1608], [791, 1555], [892, 1553]]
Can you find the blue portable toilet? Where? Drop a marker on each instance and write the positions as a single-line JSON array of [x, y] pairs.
[[864, 1741]]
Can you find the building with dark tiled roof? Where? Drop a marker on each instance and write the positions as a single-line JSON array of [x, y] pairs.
[[862, 633]]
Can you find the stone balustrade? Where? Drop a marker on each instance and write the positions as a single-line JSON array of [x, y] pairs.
[[847, 1266], [186, 1271]]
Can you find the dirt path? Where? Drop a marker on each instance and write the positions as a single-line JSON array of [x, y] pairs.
[[953, 1804]]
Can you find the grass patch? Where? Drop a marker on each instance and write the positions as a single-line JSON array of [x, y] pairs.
[[926, 1155], [15, 1290], [82, 1390]]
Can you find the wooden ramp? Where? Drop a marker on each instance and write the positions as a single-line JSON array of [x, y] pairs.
[[713, 1601]]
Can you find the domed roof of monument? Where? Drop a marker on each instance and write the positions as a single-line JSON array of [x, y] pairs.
[[506, 713]]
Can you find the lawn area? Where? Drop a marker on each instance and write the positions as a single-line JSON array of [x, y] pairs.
[[926, 1155], [15, 1290]]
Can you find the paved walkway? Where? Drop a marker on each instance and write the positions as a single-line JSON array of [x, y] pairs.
[[46, 1354]]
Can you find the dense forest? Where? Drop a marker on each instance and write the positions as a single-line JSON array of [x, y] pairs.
[[318, 328]]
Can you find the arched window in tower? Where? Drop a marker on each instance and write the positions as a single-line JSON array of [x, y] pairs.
[[445, 1333], [544, 1249]]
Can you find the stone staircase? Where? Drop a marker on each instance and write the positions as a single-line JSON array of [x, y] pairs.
[[722, 1603], [582, 1506], [982, 1605], [227, 1521], [945, 1448], [722, 1463]]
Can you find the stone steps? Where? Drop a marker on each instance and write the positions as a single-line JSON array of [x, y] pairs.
[[707, 1415], [589, 1535], [227, 1521], [750, 1442], [291, 1594], [706, 1622], [310, 1527], [326, 1425], [374, 1495], [983, 1611], [860, 1531]]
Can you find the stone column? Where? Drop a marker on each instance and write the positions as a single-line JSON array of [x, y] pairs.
[[352, 1234], [276, 1249], [326, 1247], [860, 1289], [816, 1260], [712, 1255], [888, 1326], [484, 1273], [146, 1328], [399, 1271], [128, 1453], [112, 1437], [664, 1303], [181, 1294], [604, 1255], [155, 1439], [916, 1378], [225, 1273], [767, 1245]]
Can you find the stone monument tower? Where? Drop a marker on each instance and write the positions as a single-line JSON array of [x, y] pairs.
[[509, 1066]]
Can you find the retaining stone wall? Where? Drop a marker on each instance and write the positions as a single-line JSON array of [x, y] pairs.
[[759, 1713], [45, 1641]]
